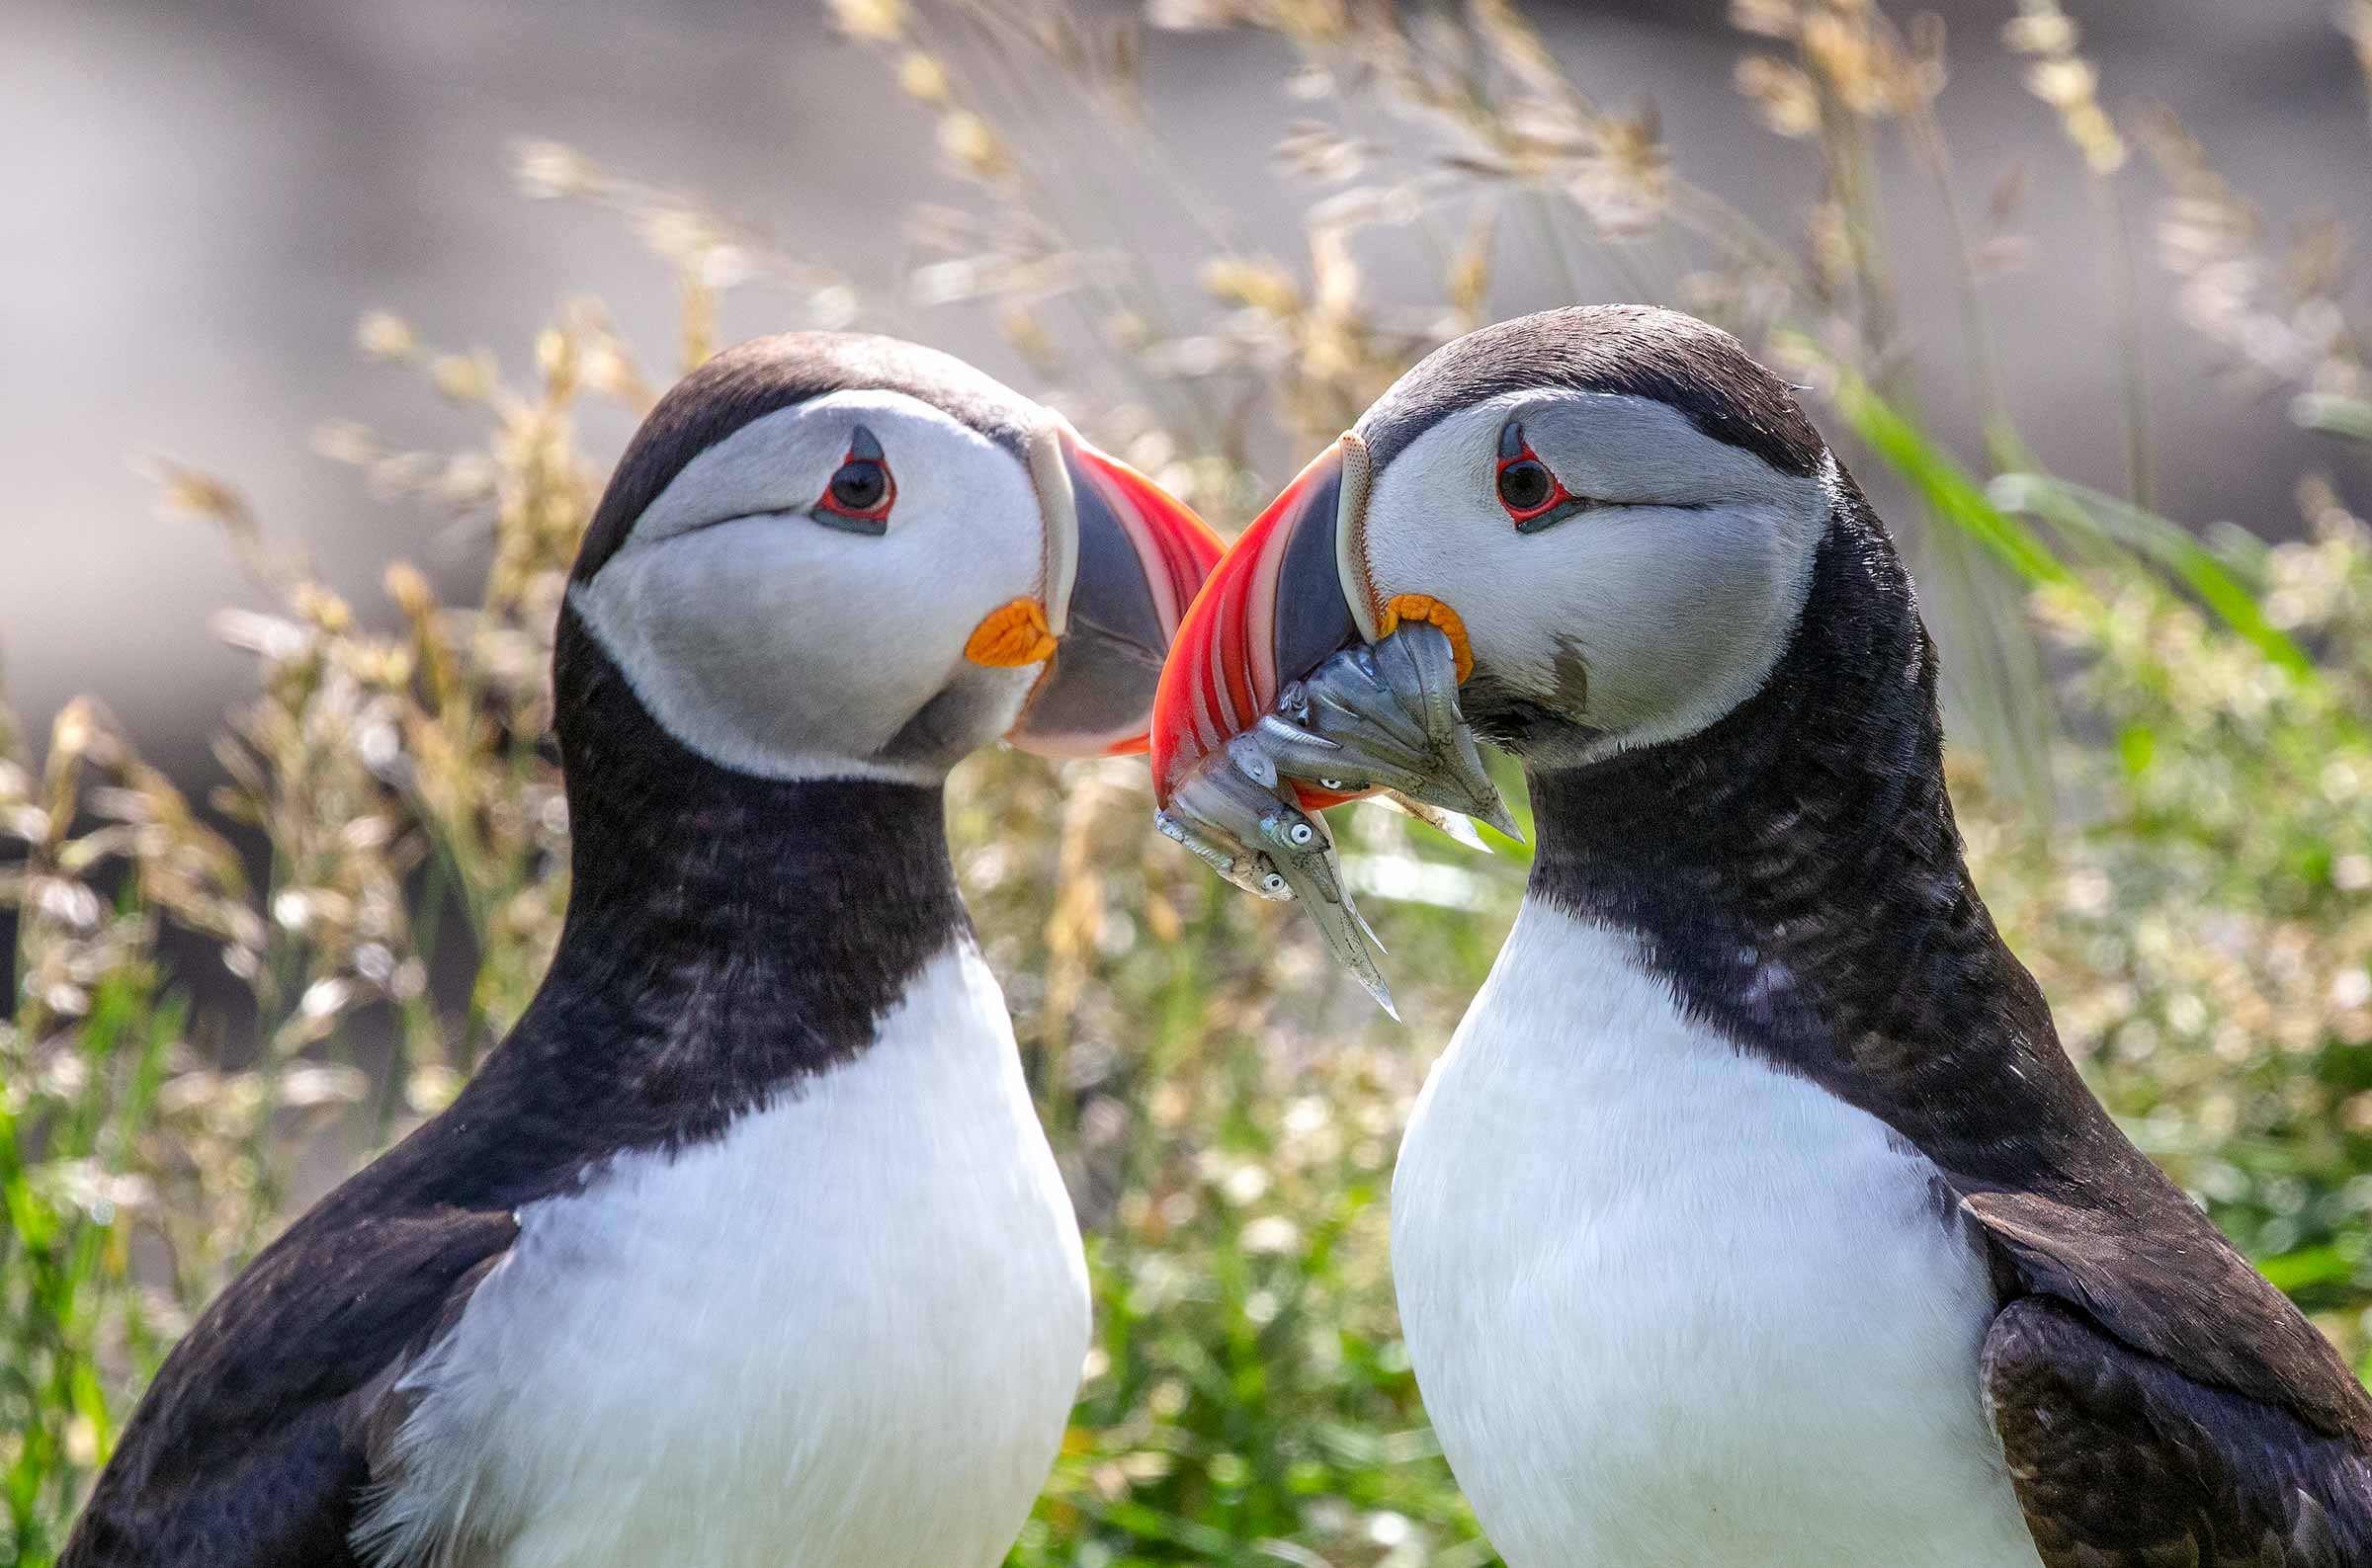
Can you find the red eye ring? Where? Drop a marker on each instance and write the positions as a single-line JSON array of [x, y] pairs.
[[861, 491], [1528, 488], [1519, 478]]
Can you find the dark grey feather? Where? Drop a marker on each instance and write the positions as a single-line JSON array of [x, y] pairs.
[[1697, 369], [765, 374]]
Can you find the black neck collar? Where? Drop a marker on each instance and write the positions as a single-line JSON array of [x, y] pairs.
[[728, 937]]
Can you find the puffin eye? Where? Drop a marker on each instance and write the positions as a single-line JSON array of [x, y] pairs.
[[861, 491], [1525, 483], [1534, 498], [860, 485]]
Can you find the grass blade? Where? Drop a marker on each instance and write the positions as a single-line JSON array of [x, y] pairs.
[[1949, 490], [2082, 511]]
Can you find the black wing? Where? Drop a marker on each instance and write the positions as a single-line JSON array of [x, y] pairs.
[[2121, 1461], [252, 1447]]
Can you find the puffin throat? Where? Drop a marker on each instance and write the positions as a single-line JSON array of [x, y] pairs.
[[1793, 869], [726, 934]]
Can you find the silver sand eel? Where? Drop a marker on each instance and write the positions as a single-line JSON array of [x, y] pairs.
[[1380, 718]]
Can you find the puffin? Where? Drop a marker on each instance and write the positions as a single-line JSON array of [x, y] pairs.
[[746, 1247], [1753, 1216]]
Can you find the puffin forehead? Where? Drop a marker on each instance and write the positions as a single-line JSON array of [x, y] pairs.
[[1699, 371], [765, 376], [780, 461], [1613, 446]]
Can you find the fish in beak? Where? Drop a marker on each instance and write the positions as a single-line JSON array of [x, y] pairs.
[[1124, 559], [1293, 686]]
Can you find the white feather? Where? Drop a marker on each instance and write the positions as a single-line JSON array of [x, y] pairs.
[[847, 1335], [1671, 1308]]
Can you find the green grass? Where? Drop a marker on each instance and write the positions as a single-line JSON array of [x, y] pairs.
[[2164, 774]]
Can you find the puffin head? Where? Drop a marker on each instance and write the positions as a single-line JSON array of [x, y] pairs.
[[845, 556], [1611, 510]]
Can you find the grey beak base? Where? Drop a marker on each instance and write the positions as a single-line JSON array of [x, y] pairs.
[[1099, 694], [1313, 622]]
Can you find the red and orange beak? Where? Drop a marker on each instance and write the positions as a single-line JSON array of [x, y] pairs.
[[1289, 594], [1229, 766], [1124, 558]]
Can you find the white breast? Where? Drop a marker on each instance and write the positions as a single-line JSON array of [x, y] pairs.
[[848, 1333], [1671, 1308]]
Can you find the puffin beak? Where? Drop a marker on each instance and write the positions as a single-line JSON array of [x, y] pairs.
[[1287, 691], [1124, 558], [1289, 594]]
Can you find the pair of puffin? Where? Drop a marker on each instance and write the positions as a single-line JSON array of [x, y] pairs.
[[1753, 1216], [745, 1248]]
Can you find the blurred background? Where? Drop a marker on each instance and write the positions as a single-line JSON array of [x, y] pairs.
[[323, 321], [203, 197]]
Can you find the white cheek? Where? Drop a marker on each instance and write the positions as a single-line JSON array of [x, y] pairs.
[[1667, 605], [1678, 613], [1671, 610], [778, 646], [774, 644]]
